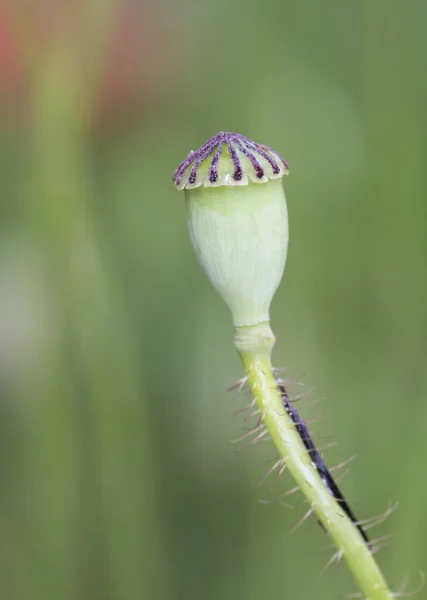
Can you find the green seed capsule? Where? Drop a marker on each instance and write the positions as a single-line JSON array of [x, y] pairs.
[[238, 223]]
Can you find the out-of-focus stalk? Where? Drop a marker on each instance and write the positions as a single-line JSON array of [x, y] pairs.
[[91, 443]]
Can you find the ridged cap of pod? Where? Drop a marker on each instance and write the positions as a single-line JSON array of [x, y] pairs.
[[229, 159]]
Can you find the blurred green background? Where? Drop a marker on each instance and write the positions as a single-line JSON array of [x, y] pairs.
[[117, 478]]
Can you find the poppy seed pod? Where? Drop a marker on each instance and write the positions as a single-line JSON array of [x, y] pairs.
[[237, 218]]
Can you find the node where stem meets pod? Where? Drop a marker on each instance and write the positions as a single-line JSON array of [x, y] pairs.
[[238, 222]]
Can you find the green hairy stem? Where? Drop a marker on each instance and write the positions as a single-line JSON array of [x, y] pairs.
[[238, 224], [254, 345]]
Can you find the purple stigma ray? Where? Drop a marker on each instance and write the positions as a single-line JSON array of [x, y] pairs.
[[237, 175], [182, 166], [263, 148], [267, 149], [196, 165], [194, 157], [179, 172], [235, 144], [213, 171], [259, 171], [265, 155]]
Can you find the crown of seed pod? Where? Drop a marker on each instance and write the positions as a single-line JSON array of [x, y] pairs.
[[237, 218]]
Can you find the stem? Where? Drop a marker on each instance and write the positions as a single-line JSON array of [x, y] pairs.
[[254, 345], [107, 489]]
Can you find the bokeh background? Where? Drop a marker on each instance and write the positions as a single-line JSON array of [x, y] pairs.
[[117, 477]]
